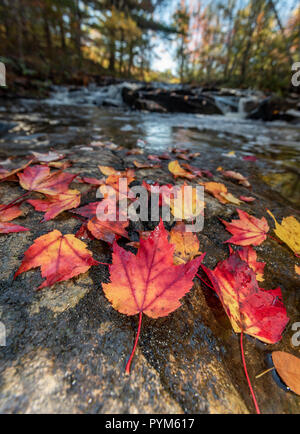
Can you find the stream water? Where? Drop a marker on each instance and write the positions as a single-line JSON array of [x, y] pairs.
[[69, 118]]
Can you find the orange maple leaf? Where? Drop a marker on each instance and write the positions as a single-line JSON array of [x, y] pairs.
[[248, 230], [186, 244], [149, 282], [60, 257], [178, 171], [103, 229], [220, 192], [39, 178], [8, 214], [56, 204]]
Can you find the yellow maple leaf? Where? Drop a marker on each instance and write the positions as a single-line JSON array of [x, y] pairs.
[[288, 231]]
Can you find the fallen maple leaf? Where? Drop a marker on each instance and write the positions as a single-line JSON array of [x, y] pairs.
[[220, 192], [183, 156], [116, 186], [108, 230], [165, 156], [153, 157], [49, 157], [194, 170], [60, 257], [84, 233], [8, 214], [288, 368], [248, 254], [140, 165], [194, 155], [250, 309], [249, 158], [5, 174], [149, 282], [162, 190], [92, 181], [186, 244], [178, 171], [190, 205], [237, 176], [297, 269], [56, 204], [39, 178], [109, 171], [289, 232], [247, 198], [88, 211], [248, 230]]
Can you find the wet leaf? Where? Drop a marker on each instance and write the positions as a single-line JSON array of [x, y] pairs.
[[108, 230], [250, 309], [247, 198], [288, 231], [220, 192], [39, 178], [288, 368], [186, 244], [248, 230], [149, 282], [178, 171], [49, 157], [140, 165], [60, 257], [53, 205], [188, 207], [194, 170], [237, 176], [5, 174], [248, 254], [6, 215]]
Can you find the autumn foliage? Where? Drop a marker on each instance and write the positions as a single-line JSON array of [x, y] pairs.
[[154, 280]]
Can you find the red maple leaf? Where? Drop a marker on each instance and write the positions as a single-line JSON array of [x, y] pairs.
[[39, 178], [247, 230], [149, 282]]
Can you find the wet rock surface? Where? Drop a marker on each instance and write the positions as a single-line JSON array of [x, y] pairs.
[[67, 347]]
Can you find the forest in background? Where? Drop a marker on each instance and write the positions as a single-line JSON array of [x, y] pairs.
[[232, 43]]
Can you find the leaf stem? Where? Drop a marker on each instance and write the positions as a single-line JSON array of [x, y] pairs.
[[127, 369], [207, 284], [13, 202], [247, 376]]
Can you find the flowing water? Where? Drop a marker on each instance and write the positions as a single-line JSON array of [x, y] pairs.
[[69, 118]]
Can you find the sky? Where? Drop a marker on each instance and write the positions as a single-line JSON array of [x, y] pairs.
[[164, 51]]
